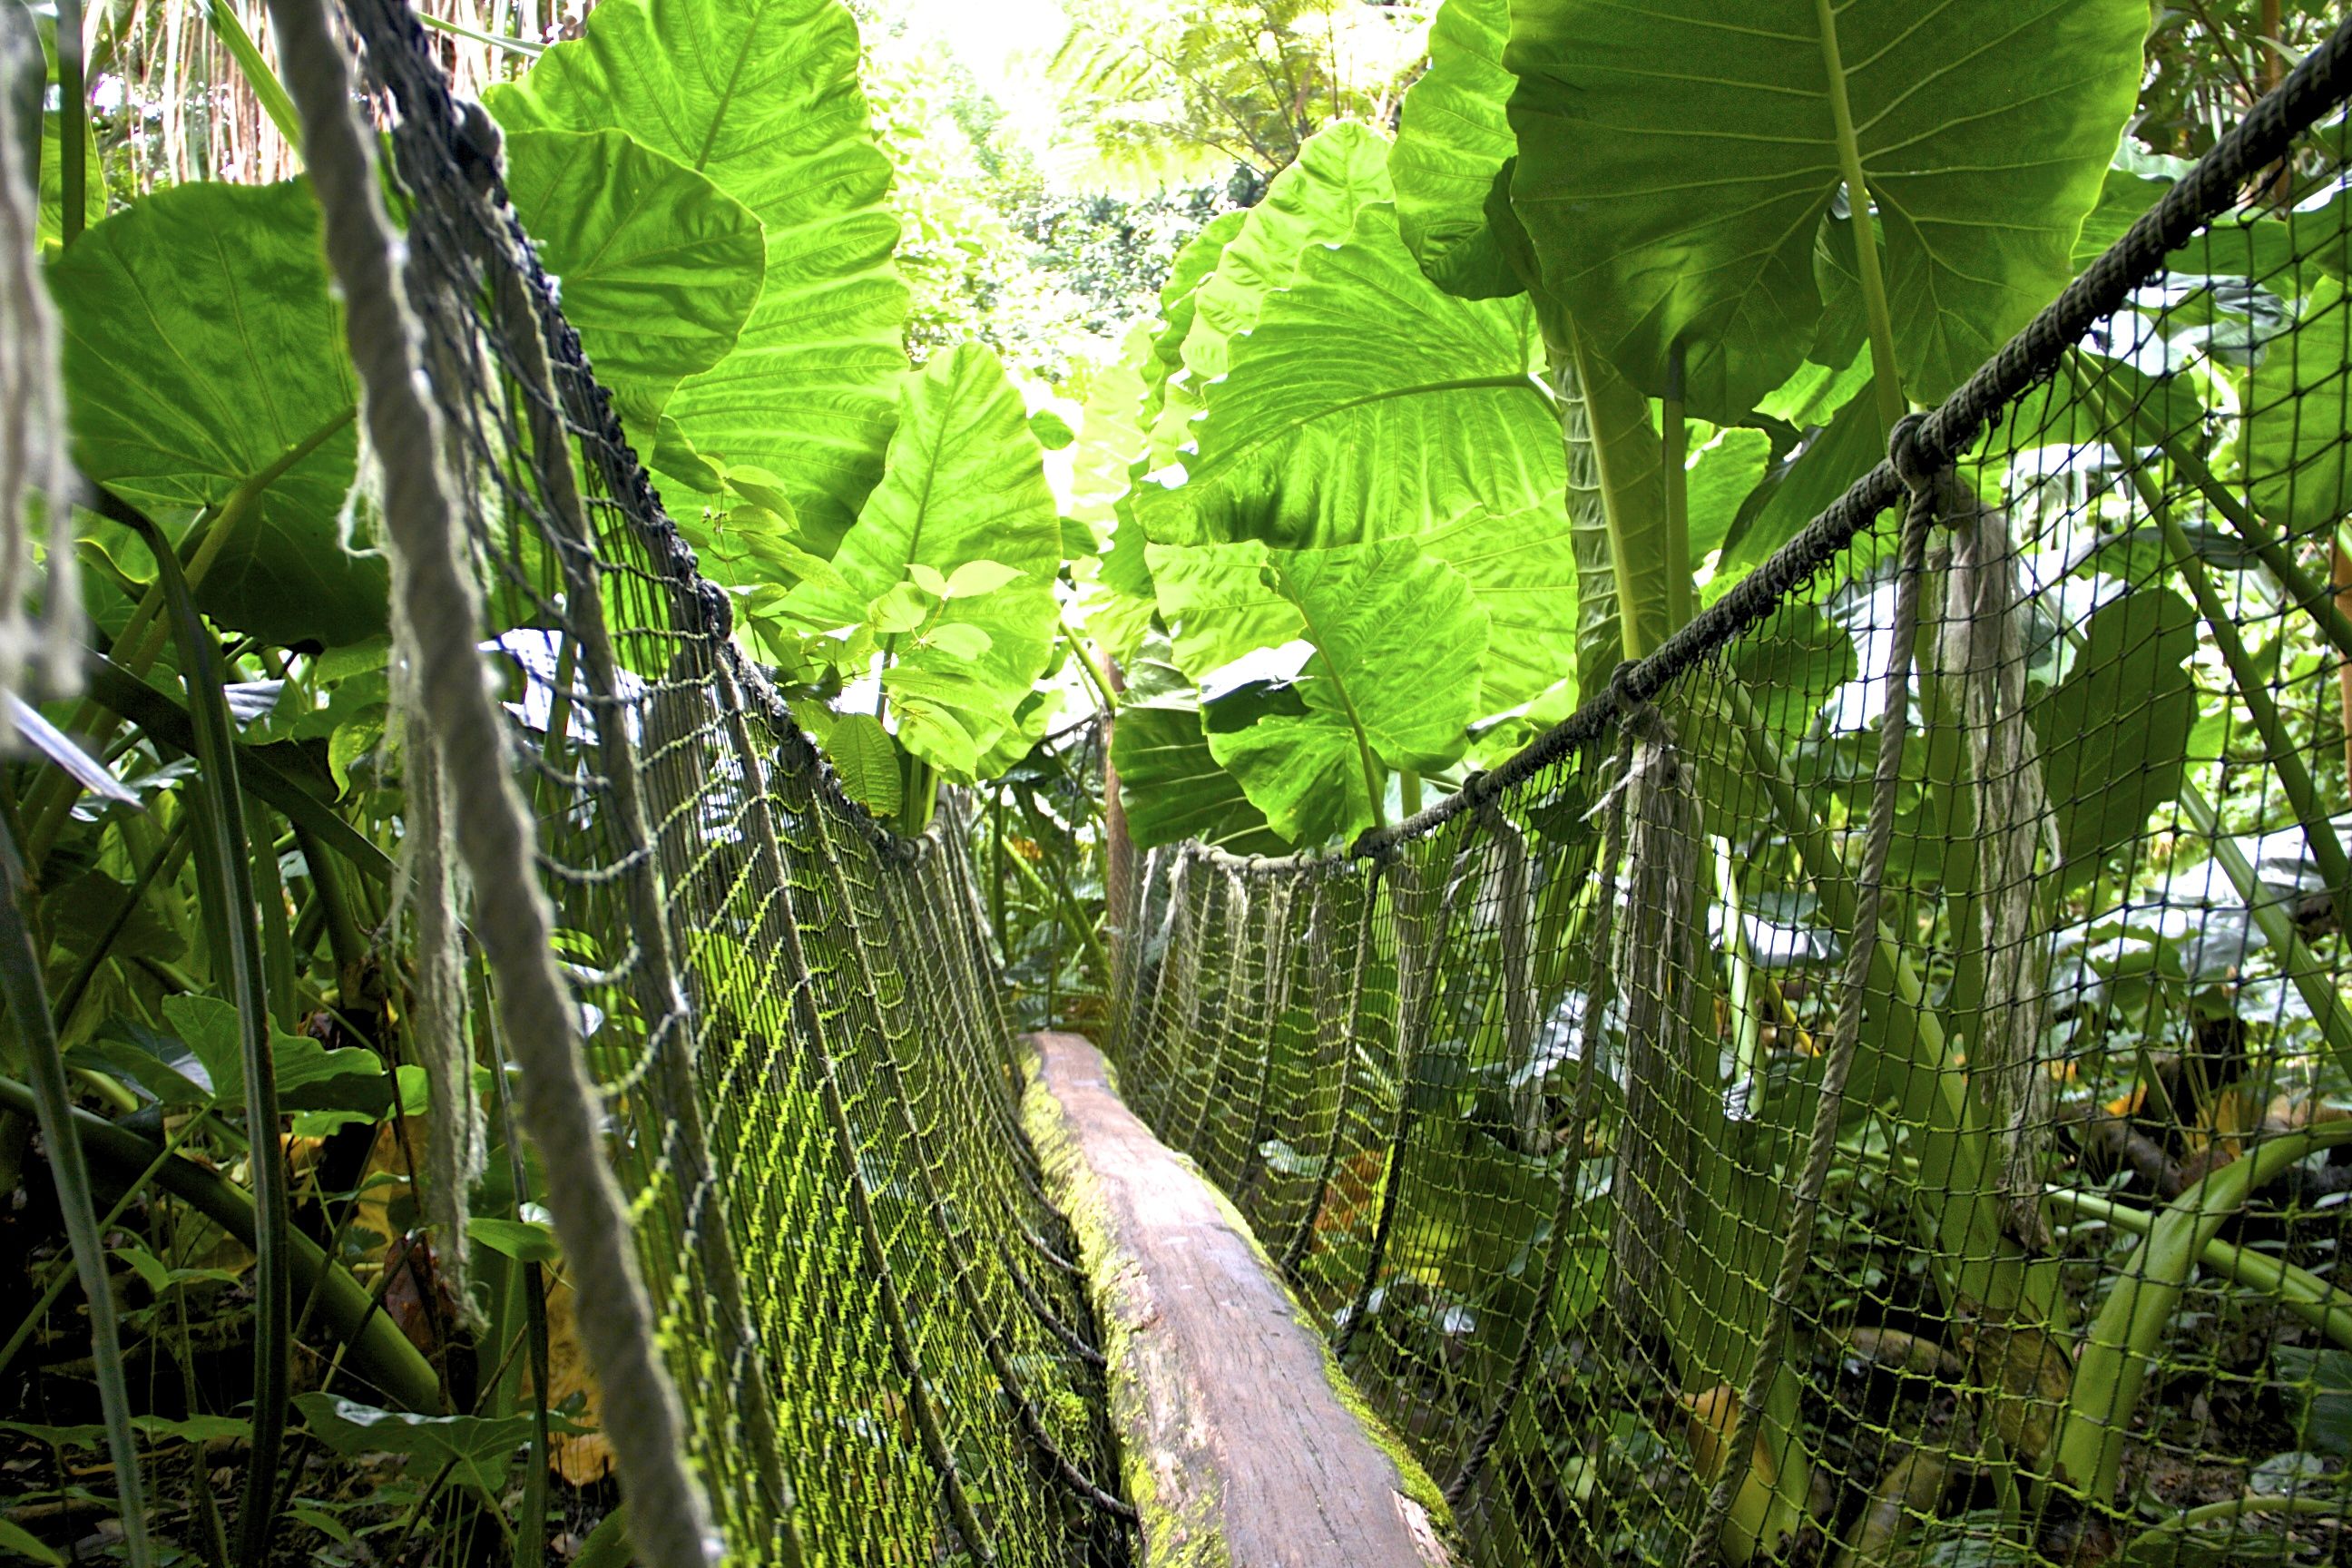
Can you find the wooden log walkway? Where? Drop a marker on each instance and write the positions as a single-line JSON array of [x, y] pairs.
[[1240, 1440]]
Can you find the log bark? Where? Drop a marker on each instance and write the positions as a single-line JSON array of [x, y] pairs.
[[1242, 1443]]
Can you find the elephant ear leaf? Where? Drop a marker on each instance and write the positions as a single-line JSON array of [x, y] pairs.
[[1340, 171], [1676, 162], [204, 367], [658, 267], [966, 484], [1452, 144], [762, 98], [1174, 787], [2115, 731], [2298, 409], [1361, 359], [1400, 644]]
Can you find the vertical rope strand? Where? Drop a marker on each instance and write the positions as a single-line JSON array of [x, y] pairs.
[[670, 1522]]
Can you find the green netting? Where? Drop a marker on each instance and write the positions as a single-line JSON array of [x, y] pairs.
[[1523, 1095], [795, 1019]]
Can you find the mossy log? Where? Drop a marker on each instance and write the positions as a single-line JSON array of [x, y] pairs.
[[1240, 1441]]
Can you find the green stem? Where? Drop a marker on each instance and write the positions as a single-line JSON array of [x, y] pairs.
[[2284, 757], [1885, 370], [376, 1342], [2148, 1546], [73, 125], [1059, 894], [28, 1002], [1094, 676], [1632, 642], [2298, 1290], [2316, 601], [2120, 1349], [142, 638], [523, 46], [59, 1276], [267, 90], [2313, 981], [1906, 1058], [225, 892], [1677, 476]]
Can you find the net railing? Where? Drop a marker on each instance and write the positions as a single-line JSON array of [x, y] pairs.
[[1692, 1170], [1686, 1167], [794, 1017]]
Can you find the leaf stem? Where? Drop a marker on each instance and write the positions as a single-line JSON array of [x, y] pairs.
[[28, 1004], [1678, 478], [1885, 370], [73, 125]]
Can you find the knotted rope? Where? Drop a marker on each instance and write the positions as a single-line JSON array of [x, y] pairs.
[[670, 1523]]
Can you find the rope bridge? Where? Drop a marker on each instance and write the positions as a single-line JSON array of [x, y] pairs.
[[1863, 1089]]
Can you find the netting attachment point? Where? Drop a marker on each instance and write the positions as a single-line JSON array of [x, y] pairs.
[[1907, 450]]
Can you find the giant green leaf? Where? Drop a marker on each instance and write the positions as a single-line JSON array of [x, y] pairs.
[[1367, 402], [202, 351], [658, 267], [1172, 787], [1453, 141], [2115, 731], [763, 97], [1303, 769], [1392, 683], [2297, 408], [965, 483], [1676, 161], [1340, 171], [1398, 642]]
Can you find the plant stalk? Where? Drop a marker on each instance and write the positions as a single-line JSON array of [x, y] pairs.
[[28, 1002], [1885, 370]]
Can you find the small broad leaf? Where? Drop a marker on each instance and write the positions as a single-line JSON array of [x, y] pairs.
[[867, 762], [928, 578], [957, 641], [525, 1241], [974, 578], [479, 1450], [901, 609], [310, 1076]]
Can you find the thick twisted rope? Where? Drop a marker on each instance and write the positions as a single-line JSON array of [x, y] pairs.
[[669, 1523], [1805, 1200]]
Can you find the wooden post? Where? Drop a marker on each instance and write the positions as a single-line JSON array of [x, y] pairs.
[[1240, 1441]]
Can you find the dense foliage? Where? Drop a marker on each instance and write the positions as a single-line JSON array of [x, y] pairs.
[[1381, 378]]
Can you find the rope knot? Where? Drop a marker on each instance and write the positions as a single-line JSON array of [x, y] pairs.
[[1907, 452], [1621, 688]]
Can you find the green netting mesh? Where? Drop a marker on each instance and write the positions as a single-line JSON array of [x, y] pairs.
[[1522, 1094], [1526, 1096], [870, 1309]]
